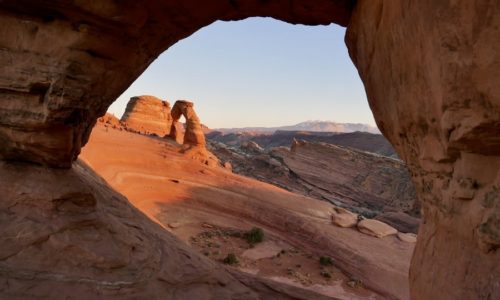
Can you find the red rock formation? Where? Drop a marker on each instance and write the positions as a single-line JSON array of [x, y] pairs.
[[430, 69], [352, 177], [177, 132], [110, 120], [148, 114], [80, 56], [66, 232], [158, 187], [376, 228], [193, 134], [344, 218]]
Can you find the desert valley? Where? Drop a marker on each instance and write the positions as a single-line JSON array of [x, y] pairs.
[[194, 193]]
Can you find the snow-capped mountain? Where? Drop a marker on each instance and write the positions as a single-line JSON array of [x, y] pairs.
[[316, 126]]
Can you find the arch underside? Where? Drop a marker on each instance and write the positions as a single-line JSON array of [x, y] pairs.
[[81, 55]]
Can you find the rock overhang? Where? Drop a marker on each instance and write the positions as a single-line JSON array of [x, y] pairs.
[[64, 63]]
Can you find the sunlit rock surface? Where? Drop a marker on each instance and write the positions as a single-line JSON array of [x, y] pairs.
[[148, 115], [193, 134]]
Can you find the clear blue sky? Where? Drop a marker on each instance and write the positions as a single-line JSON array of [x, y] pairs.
[[258, 72]]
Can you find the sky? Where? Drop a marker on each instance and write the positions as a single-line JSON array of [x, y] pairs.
[[258, 72]]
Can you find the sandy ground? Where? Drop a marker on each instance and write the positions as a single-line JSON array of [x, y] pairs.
[[199, 204]]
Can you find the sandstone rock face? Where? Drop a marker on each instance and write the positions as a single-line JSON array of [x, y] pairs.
[[431, 71], [407, 237], [193, 135], [252, 146], [80, 57], [67, 234], [399, 220], [362, 182], [200, 154], [177, 132], [110, 120], [344, 218], [296, 144], [376, 228], [146, 171], [148, 114], [228, 166], [355, 178]]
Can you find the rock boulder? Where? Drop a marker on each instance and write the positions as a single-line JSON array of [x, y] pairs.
[[344, 218], [376, 228], [407, 237]]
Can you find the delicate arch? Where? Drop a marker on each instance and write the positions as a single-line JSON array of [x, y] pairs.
[[193, 134]]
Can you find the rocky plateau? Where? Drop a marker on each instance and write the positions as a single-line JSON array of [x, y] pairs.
[[369, 184], [365, 141]]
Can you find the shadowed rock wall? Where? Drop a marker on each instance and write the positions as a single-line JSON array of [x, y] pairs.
[[431, 71]]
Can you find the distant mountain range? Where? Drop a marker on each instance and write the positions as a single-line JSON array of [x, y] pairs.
[[314, 126]]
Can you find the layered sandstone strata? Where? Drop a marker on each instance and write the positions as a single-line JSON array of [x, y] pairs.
[[148, 115], [66, 232], [431, 71], [366, 183]]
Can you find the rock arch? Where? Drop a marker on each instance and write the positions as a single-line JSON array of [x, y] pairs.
[[430, 69], [193, 134]]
